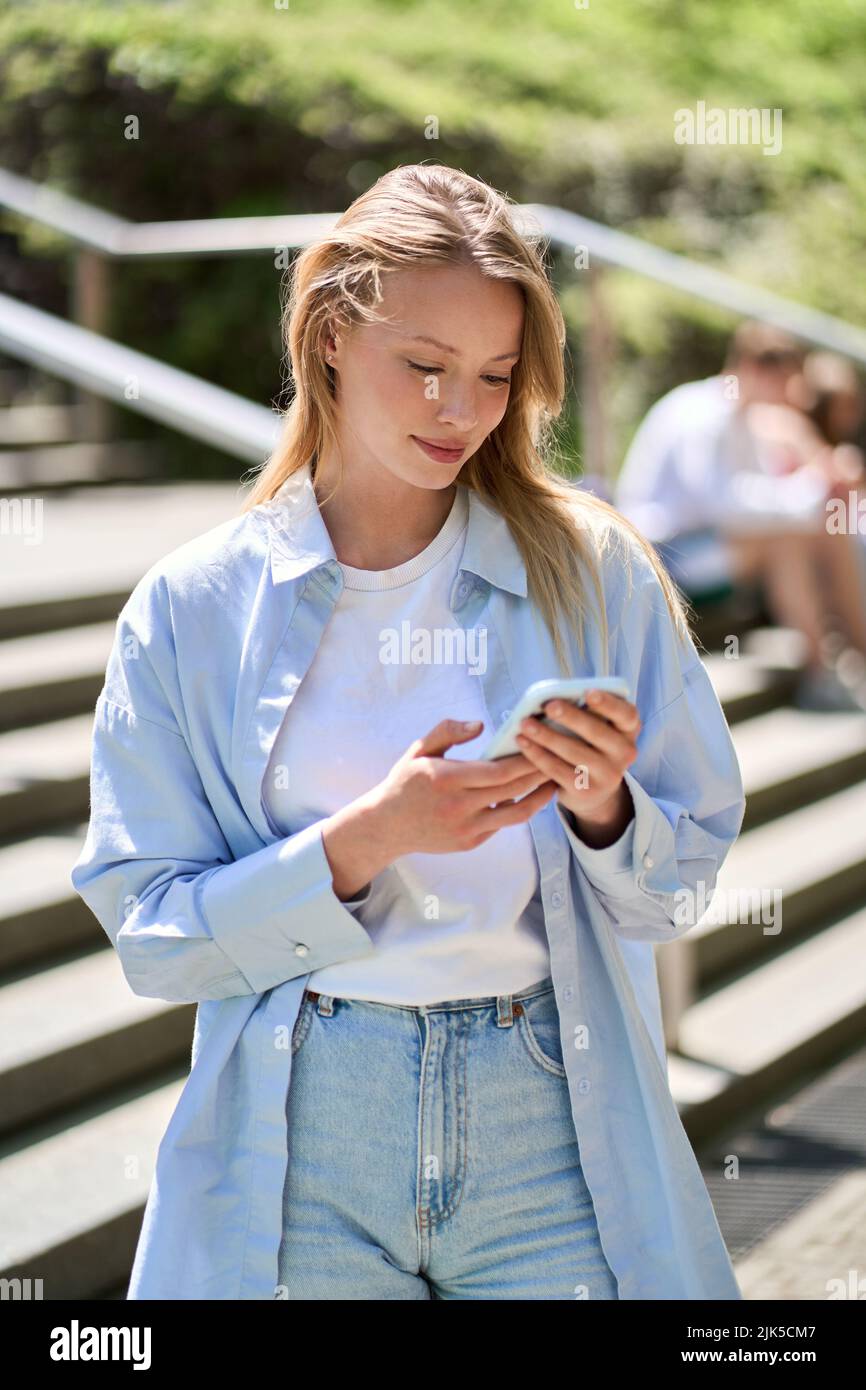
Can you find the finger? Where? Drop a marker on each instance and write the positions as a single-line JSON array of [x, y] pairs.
[[509, 791], [562, 770], [622, 713], [493, 818], [483, 772], [588, 729], [593, 772]]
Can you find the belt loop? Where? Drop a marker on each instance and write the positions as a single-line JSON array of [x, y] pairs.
[[325, 1005], [504, 1011]]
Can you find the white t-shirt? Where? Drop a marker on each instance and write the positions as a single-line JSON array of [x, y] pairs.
[[445, 926], [694, 463]]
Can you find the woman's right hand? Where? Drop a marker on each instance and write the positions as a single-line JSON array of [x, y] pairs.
[[436, 805]]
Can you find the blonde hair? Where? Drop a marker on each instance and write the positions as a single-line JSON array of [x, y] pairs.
[[418, 215]]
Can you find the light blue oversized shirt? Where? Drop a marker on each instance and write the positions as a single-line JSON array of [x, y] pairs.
[[206, 901]]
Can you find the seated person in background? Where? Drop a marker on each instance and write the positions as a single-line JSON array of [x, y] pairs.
[[821, 427], [725, 505], [832, 395], [825, 412]]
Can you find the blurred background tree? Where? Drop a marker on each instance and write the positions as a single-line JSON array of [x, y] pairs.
[[263, 108]]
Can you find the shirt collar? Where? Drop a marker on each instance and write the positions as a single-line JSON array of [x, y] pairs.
[[300, 541]]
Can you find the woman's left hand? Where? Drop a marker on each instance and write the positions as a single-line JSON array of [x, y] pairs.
[[588, 762]]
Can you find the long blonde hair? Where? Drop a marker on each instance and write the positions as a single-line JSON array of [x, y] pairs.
[[423, 214]]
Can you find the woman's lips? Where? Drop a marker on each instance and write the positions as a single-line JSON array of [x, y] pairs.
[[441, 455]]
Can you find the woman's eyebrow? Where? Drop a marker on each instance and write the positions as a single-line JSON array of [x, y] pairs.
[[443, 347]]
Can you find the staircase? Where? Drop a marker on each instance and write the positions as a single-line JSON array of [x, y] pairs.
[[90, 1072], [88, 1077], [44, 441]]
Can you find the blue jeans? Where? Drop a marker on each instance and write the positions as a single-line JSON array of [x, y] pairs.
[[432, 1154]]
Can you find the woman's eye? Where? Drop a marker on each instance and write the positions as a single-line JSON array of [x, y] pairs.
[[431, 371]]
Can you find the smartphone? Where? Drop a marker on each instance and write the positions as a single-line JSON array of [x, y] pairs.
[[503, 743]]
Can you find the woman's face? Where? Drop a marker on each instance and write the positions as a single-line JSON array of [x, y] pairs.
[[393, 389]]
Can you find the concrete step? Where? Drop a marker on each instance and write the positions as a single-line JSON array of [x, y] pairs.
[[14, 383], [53, 674], [74, 1030], [790, 757], [71, 1201], [77, 559], [715, 622], [45, 775], [40, 915], [74, 465], [746, 687], [744, 1041], [782, 879], [41, 424], [57, 612], [782, 649]]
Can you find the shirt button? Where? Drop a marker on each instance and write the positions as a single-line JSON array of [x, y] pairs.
[[568, 992], [556, 900], [463, 589], [648, 861], [583, 1085], [301, 949]]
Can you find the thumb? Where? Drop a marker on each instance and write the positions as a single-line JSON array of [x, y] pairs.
[[444, 734]]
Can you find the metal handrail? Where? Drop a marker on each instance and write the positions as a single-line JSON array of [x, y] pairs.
[[176, 398], [618, 249], [120, 239]]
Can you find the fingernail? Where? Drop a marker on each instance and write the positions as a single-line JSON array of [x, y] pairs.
[[593, 697]]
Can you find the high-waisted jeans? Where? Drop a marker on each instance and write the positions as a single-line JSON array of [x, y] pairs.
[[432, 1154]]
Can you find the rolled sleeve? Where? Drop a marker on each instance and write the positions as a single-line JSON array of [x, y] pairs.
[[603, 866], [686, 786]]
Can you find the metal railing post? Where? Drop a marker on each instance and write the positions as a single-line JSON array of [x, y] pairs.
[[595, 355], [91, 308]]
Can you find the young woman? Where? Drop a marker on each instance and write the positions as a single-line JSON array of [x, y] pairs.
[[428, 1059]]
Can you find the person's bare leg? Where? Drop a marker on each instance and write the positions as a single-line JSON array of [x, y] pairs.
[[786, 567], [838, 557]]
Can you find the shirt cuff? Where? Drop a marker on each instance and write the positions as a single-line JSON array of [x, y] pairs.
[[276, 915], [644, 859], [604, 864], [358, 899]]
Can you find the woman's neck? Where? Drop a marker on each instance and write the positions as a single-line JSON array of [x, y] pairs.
[[377, 529]]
